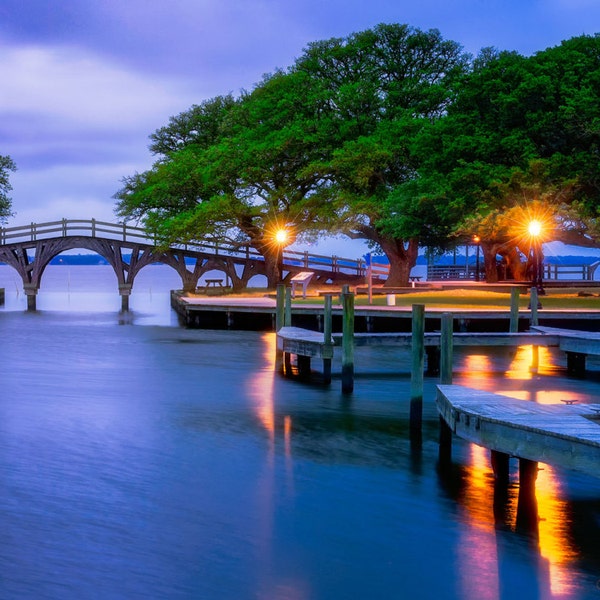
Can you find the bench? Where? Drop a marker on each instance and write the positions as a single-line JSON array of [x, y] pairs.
[[303, 278], [214, 283]]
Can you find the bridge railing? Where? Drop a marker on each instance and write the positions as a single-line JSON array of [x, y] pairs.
[[132, 234]]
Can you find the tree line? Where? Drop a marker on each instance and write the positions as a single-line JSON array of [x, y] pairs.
[[392, 135]]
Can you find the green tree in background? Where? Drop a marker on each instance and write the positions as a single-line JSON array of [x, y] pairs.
[[519, 131], [7, 166]]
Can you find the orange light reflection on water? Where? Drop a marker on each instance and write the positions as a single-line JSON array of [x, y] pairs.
[[478, 552], [261, 389], [525, 358], [478, 548], [554, 540]]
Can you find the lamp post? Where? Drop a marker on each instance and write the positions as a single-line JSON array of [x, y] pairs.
[[476, 240], [281, 239], [537, 272]]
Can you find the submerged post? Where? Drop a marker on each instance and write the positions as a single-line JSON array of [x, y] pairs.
[[514, 310], [418, 360], [348, 342], [327, 331]]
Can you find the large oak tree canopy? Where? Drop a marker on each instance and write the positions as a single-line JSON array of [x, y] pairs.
[[393, 135]]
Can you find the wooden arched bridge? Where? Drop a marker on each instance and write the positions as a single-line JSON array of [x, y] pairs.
[[30, 248]]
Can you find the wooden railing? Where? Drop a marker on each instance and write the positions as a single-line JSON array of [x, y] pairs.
[[580, 272], [132, 234]]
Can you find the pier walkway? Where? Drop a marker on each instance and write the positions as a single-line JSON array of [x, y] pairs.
[[566, 436], [29, 249]]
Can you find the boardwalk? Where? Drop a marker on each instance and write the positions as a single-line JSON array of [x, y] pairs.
[[128, 249], [566, 436]]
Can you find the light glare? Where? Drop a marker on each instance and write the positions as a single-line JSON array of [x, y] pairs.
[[535, 228]]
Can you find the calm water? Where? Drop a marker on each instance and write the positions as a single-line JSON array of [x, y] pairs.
[[142, 460]]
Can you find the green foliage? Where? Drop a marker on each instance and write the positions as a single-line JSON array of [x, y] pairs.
[[7, 166]]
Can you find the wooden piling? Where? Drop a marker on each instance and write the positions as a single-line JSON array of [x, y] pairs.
[[514, 310], [533, 307], [348, 342], [327, 331], [287, 314], [446, 344], [418, 360], [279, 320], [280, 307], [446, 348]]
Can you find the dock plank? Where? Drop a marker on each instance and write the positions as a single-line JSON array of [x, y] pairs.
[[565, 436]]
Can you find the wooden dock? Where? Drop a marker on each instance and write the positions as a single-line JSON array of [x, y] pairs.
[[566, 436]]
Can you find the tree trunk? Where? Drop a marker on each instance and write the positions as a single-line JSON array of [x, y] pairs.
[[402, 256]]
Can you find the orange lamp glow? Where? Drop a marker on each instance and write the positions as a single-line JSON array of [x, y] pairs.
[[281, 236], [535, 228]]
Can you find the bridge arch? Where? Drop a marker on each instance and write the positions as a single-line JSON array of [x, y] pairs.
[[127, 260], [29, 249]]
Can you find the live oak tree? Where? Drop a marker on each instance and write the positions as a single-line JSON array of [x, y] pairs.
[[7, 166], [236, 170], [378, 87]]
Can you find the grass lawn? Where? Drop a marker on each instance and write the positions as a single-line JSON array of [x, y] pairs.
[[559, 298]]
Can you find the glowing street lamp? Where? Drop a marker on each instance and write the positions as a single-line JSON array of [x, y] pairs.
[[537, 273], [477, 240], [281, 239]]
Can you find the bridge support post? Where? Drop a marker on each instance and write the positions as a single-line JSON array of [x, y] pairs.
[[31, 294], [125, 292]]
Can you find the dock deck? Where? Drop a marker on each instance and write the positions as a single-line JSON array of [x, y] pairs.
[[564, 436]]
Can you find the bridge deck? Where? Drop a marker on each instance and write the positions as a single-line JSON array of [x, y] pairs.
[[564, 436]]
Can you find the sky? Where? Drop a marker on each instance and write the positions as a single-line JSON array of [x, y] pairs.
[[83, 83]]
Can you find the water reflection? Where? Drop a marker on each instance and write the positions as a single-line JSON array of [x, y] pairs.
[[489, 509]]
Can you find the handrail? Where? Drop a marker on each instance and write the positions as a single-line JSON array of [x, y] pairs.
[[133, 234]]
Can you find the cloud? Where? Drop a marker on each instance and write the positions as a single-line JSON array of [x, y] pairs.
[[67, 85], [69, 191]]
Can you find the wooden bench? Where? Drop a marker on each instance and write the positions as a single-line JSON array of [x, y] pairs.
[[214, 283], [303, 278]]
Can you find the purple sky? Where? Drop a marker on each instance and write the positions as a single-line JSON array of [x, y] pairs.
[[84, 82]]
